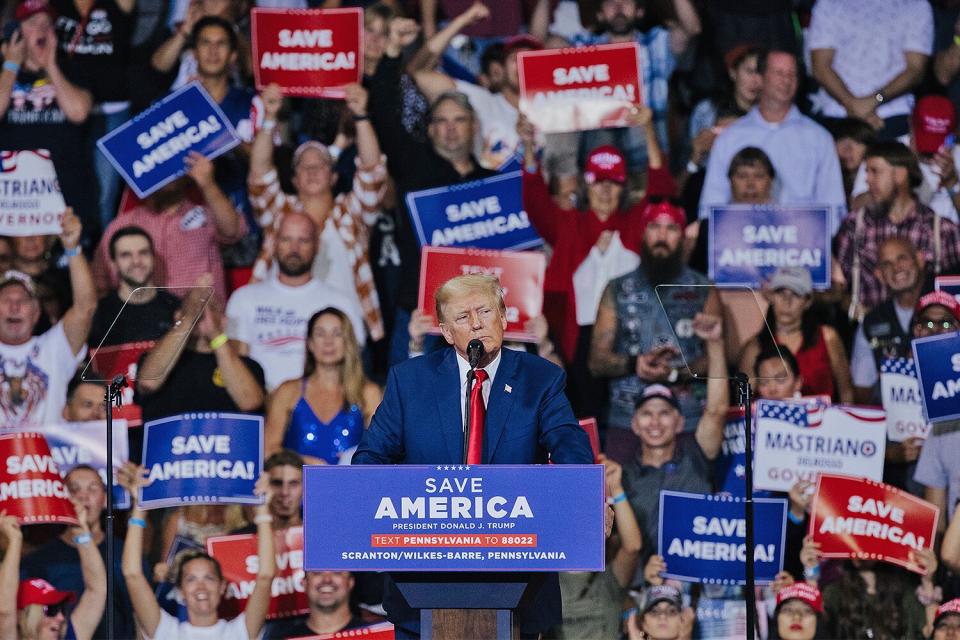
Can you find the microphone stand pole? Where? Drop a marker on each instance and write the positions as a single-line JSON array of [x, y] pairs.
[[466, 413], [111, 397], [744, 398]]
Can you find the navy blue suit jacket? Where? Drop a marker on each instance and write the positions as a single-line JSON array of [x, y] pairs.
[[419, 422]]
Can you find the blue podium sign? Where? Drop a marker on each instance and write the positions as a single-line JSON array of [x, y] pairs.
[[748, 243], [202, 458], [703, 537], [938, 369], [148, 150], [485, 214], [453, 518]]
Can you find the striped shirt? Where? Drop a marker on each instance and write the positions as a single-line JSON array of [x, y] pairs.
[[351, 214]]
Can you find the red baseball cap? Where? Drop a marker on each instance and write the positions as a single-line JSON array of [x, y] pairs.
[[941, 298], [522, 41], [802, 591], [29, 8], [605, 163], [39, 591], [663, 209], [934, 118], [947, 608]]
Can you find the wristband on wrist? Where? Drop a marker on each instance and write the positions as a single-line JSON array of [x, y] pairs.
[[268, 125], [72, 252], [692, 167], [137, 522], [10, 65], [83, 538], [357, 118], [218, 341], [811, 573], [617, 499], [956, 40], [929, 597], [793, 518], [263, 518]]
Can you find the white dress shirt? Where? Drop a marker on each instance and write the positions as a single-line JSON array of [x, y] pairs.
[[464, 367]]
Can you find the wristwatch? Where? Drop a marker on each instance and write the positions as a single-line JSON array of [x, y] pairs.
[[879, 97]]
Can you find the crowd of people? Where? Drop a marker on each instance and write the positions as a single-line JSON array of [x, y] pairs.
[[297, 258]]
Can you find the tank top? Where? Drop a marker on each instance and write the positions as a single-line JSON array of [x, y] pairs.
[[310, 436], [814, 362]]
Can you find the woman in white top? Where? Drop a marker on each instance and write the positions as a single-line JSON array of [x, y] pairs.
[[198, 577]]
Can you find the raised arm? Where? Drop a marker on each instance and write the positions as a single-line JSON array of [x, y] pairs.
[[145, 607], [709, 434], [686, 28], [537, 201], [261, 152], [9, 574], [89, 610], [74, 101], [78, 318], [256, 612], [228, 222], [14, 51], [423, 64], [168, 53], [368, 147], [624, 564], [241, 385]]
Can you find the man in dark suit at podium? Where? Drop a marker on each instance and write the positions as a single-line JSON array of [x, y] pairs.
[[519, 414]]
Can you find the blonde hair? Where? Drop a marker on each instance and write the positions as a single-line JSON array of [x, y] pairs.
[[466, 285], [28, 622], [351, 370]]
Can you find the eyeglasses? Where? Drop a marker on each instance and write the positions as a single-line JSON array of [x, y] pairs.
[[797, 612], [53, 610], [933, 325]]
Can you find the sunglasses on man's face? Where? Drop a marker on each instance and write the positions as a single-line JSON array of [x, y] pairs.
[[53, 610], [933, 325]]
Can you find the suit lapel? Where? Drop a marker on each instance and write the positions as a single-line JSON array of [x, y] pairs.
[[449, 413], [500, 402]]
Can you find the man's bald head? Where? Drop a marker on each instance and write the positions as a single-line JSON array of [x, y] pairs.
[[297, 243]]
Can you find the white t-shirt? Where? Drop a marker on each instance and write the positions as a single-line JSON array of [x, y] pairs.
[[34, 378], [498, 124], [172, 629], [272, 319], [869, 39]]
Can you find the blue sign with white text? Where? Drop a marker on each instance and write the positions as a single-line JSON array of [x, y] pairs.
[[85, 443], [748, 243], [453, 518], [148, 150], [202, 458], [485, 214], [938, 370], [703, 537]]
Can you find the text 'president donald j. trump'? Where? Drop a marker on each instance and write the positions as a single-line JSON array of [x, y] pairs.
[[523, 416]]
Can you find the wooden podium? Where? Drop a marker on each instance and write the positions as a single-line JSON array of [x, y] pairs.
[[456, 606]]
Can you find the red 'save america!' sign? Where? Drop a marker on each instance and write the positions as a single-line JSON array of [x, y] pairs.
[[31, 488], [238, 559], [860, 518], [308, 52], [580, 89]]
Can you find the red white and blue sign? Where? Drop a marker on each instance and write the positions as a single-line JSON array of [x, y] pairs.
[[202, 458], [484, 214], [702, 538], [75, 443], [149, 150], [749, 243], [902, 400], [454, 518], [938, 369], [948, 284]]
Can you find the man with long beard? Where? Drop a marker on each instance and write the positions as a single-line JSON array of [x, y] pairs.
[[635, 342], [268, 320]]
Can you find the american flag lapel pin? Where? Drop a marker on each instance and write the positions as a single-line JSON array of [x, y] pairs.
[[508, 388]]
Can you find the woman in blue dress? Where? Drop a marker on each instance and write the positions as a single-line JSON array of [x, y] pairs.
[[322, 415]]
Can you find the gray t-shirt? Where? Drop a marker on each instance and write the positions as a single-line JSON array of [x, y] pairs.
[[939, 464]]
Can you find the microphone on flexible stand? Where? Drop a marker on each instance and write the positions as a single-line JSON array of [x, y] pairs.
[[475, 352]]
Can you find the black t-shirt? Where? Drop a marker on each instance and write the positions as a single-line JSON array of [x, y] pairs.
[[297, 628], [194, 385], [34, 120], [140, 322], [100, 42]]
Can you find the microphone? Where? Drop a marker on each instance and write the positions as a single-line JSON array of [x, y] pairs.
[[475, 351]]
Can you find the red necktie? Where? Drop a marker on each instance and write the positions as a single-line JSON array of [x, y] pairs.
[[478, 412]]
